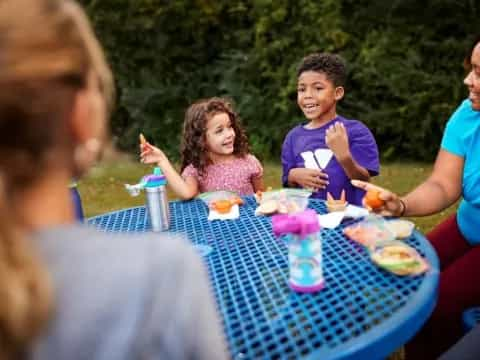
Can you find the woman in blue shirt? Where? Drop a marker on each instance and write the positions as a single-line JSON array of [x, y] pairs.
[[456, 174]]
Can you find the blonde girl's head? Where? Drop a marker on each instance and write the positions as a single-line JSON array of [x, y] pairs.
[[50, 61], [194, 147]]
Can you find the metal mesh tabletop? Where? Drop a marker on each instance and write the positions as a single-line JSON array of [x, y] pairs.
[[363, 311]]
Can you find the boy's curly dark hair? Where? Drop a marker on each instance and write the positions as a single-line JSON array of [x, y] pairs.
[[332, 65], [194, 141]]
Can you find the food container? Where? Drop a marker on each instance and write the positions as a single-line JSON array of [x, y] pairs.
[[284, 201], [220, 201], [371, 232], [399, 258], [400, 228]]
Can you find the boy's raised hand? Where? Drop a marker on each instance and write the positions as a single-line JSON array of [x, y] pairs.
[[336, 138], [308, 178]]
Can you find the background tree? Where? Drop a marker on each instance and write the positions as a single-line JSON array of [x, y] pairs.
[[404, 59]]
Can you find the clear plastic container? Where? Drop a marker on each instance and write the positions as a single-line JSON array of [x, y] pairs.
[[220, 201], [401, 229], [399, 258], [371, 232], [283, 201]]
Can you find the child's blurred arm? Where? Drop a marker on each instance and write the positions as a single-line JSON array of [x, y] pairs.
[[257, 177], [336, 138], [258, 184], [185, 189]]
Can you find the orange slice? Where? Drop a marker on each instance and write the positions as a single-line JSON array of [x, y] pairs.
[[222, 206], [372, 199]]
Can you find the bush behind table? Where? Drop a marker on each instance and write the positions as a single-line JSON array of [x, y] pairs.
[[404, 60]]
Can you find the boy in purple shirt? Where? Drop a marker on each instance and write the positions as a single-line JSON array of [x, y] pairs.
[[328, 151]]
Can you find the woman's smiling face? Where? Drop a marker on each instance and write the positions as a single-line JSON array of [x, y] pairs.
[[472, 81]]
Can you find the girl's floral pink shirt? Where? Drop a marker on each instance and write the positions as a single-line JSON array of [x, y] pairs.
[[235, 175]]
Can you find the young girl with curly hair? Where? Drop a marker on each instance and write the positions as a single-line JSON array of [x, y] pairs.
[[215, 153]]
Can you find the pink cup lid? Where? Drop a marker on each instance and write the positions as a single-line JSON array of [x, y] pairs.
[[302, 224]]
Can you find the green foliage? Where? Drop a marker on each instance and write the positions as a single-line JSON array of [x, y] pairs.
[[404, 58]]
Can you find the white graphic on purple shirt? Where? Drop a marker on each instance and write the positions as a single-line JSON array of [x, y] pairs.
[[317, 159]]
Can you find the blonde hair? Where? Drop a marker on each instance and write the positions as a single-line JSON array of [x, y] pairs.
[[47, 52]]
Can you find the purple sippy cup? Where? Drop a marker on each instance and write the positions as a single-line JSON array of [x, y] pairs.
[[302, 232]]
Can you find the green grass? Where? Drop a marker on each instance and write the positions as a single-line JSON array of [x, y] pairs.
[[102, 190]]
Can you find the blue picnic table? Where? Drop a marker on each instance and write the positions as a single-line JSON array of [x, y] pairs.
[[362, 313]]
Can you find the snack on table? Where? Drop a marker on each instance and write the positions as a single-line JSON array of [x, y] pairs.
[[259, 194], [372, 199], [336, 205], [237, 200], [142, 139], [222, 206], [368, 235], [400, 228], [267, 207], [284, 201], [221, 201], [399, 259]]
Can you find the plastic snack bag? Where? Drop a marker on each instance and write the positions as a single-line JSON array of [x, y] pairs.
[[399, 258], [371, 232], [283, 201]]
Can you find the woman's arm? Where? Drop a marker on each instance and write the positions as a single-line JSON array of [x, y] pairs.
[[440, 190], [258, 184], [185, 189]]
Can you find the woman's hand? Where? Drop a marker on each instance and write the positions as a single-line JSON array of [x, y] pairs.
[[392, 205], [308, 178], [150, 154]]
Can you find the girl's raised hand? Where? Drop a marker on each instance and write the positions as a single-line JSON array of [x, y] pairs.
[[392, 206], [150, 154], [336, 138]]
